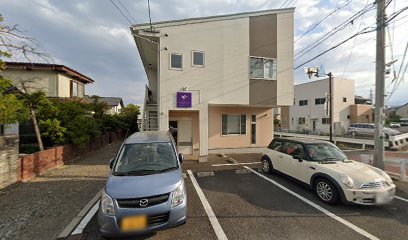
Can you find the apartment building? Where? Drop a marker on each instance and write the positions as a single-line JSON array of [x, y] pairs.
[[213, 81]]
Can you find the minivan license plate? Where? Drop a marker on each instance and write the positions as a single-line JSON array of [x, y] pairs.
[[133, 223]]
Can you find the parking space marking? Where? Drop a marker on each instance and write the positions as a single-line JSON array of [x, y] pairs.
[[86, 219], [210, 213], [68, 229], [323, 210], [402, 199], [233, 164]]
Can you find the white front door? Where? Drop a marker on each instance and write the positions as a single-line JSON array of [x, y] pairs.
[[185, 136]]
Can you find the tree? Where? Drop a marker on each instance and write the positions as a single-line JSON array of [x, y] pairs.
[[129, 115], [12, 109]]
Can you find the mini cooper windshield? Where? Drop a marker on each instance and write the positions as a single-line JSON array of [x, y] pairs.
[[324, 152], [145, 159]]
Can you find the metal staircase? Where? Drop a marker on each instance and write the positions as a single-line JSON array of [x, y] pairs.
[[151, 122]]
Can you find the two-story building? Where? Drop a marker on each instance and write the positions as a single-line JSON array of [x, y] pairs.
[[213, 81], [55, 80]]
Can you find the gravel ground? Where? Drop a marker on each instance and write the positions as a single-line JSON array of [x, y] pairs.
[[42, 207]]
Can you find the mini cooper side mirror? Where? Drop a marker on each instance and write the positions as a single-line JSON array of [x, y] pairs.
[[181, 157], [298, 158]]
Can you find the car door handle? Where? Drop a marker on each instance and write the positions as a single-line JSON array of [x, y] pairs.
[[313, 168]]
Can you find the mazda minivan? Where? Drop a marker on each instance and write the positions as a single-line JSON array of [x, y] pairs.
[[145, 190]]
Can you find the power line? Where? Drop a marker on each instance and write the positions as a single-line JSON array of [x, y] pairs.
[[314, 25], [134, 20], [283, 3], [121, 12]]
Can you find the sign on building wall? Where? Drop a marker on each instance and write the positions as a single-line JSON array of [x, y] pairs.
[[184, 99]]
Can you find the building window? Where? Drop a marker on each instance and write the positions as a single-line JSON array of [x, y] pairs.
[[198, 59], [262, 68], [303, 103], [319, 101], [325, 120], [176, 61], [233, 124], [302, 120], [344, 99], [348, 116], [74, 89]]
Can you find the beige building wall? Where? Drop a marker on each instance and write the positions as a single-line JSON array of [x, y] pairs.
[[361, 113], [402, 111], [264, 127], [64, 86], [34, 80]]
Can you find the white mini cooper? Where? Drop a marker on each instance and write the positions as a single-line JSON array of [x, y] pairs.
[[326, 169]]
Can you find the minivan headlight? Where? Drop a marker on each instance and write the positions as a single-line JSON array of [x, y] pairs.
[[107, 204], [347, 181], [178, 195]]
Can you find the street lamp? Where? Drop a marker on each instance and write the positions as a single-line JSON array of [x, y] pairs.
[[319, 72]]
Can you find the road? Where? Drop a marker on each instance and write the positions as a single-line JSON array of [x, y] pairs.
[[258, 206]]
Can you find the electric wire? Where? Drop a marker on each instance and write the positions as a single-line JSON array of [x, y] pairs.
[[123, 5], [121, 12]]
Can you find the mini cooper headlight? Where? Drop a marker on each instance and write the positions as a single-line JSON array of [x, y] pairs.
[[347, 181], [178, 195], [386, 176], [107, 204]]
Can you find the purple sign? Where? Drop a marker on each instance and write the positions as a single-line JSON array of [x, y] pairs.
[[184, 99]]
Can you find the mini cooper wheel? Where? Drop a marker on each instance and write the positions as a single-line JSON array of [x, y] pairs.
[[326, 191], [266, 165]]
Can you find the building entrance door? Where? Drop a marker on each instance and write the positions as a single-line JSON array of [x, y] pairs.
[[185, 136], [314, 125]]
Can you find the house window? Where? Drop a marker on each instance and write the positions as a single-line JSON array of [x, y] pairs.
[[303, 103], [74, 89], [198, 59], [344, 99], [302, 120], [325, 120], [319, 101], [262, 68], [348, 116], [233, 124], [176, 61]]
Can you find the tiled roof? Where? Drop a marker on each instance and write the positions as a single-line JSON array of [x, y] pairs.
[[51, 67]]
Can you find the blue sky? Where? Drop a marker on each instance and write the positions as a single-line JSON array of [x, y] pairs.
[[92, 37]]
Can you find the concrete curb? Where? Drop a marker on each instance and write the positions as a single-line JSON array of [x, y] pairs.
[[231, 160]]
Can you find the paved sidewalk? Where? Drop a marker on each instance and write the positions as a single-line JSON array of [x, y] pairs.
[[42, 207]]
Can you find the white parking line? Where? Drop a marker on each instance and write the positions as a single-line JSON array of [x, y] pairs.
[[234, 164], [323, 210], [86, 219], [402, 199], [213, 219]]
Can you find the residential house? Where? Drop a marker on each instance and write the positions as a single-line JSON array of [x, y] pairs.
[[115, 103], [213, 81], [54, 79], [402, 111], [310, 110]]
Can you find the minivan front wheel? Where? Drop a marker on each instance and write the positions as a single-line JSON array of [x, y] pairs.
[[326, 191]]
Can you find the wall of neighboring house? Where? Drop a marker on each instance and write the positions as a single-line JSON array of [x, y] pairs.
[[361, 113], [313, 112], [41, 80], [402, 111], [65, 85]]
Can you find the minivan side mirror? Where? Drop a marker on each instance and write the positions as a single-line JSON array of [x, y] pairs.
[[111, 162], [298, 158], [181, 157]]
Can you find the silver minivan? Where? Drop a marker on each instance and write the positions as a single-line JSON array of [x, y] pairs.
[[367, 129], [145, 190]]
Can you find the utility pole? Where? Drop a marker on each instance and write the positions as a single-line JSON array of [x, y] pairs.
[[379, 87]]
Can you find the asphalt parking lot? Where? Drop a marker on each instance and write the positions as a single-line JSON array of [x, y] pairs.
[[256, 206]]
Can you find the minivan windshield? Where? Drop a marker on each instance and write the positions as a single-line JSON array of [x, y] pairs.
[[145, 158], [324, 152]]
